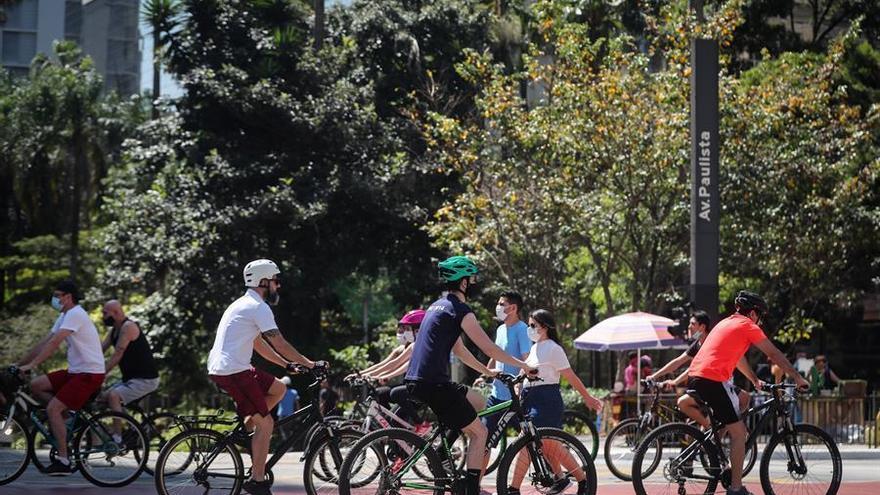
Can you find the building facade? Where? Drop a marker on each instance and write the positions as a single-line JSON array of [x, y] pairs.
[[106, 30]]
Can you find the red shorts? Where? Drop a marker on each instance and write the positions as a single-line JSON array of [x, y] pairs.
[[248, 389], [75, 389]]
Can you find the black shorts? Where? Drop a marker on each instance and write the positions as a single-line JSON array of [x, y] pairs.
[[717, 396], [447, 400]]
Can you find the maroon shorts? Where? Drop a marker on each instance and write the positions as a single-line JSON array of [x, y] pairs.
[[248, 389], [75, 389]]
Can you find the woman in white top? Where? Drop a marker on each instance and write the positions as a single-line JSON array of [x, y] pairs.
[[542, 400]]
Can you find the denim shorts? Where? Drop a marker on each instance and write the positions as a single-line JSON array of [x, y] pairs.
[[543, 403]]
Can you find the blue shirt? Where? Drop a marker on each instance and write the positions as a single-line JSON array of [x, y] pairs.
[[288, 402], [515, 341], [439, 331]]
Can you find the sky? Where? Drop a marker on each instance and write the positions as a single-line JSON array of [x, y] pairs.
[[170, 87]]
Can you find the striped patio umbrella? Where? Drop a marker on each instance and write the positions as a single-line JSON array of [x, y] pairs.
[[629, 331]]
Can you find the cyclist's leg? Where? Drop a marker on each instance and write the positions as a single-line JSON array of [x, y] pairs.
[[744, 400], [73, 391], [691, 409], [738, 434], [723, 402], [406, 409], [276, 392], [41, 388], [383, 396], [55, 411]]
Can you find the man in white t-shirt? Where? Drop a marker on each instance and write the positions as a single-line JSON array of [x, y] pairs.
[[68, 389], [248, 325]]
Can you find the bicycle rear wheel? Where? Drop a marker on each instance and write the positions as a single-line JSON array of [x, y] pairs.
[[15, 449], [814, 467], [685, 464], [561, 462], [405, 463], [160, 428], [581, 426], [620, 448], [324, 459], [111, 450], [209, 468]]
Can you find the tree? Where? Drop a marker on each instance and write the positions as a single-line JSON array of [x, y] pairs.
[[162, 17]]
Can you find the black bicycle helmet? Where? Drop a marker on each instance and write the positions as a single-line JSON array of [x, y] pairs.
[[746, 301]]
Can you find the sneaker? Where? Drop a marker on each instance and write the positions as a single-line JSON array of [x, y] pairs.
[[57, 468], [423, 428], [742, 491], [559, 486], [257, 487], [512, 491]]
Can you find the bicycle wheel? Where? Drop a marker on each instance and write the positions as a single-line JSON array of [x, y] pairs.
[[580, 425], [750, 458], [400, 457], [111, 449], [560, 461], [686, 464], [209, 467], [324, 459], [159, 428], [814, 466], [42, 450], [620, 449], [15, 449]]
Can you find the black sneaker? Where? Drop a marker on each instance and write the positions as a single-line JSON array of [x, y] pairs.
[[512, 491], [559, 486], [742, 491], [57, 468], [257, 487]]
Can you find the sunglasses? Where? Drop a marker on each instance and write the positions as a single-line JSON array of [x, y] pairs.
[[534, 325]]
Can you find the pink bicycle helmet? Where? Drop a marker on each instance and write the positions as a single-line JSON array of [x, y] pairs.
[[414, 317]]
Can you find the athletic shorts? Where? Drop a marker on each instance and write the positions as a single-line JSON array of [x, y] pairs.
[[132, 390], [75, 389], [447, 400], [720, 396], [248, 389]]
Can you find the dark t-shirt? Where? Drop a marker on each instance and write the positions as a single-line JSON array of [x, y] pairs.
[[693, 349], [439, 331]]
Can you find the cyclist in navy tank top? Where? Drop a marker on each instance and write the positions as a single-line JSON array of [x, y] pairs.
[[427, 378], [438, 332]]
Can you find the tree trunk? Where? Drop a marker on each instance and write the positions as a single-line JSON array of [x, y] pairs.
[[319, 25], [79, 165], [157, 68]]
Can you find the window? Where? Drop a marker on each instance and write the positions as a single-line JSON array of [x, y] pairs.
[[19, 48], [21, 15]]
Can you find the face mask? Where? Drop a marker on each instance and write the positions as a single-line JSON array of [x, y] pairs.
[[56, 303], [406, 337], [499, 312], [108, 321], [470, 292], [534, 335]]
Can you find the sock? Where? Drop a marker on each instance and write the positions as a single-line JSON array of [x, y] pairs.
[[472, 483], [64, 460]]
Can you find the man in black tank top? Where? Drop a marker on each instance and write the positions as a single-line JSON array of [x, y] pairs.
[[133, 354]]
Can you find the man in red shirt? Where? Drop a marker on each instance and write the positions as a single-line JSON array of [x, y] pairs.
[[713, 365]]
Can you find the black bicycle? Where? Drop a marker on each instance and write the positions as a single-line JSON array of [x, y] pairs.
[[540, 460], [798, 459], [108, 448], [201, 459], [159, 426]]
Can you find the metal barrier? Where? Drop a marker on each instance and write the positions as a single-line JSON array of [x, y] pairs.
[[850, 420]]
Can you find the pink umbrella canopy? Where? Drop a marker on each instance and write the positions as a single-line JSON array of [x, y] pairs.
[[629, 331]]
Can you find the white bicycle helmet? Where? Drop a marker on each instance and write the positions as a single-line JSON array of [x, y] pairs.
[[258, 270]]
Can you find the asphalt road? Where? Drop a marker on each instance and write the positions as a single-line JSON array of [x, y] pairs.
[[861, 476]]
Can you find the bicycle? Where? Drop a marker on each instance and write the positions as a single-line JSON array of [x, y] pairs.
[[574, 422], [406, 461], [158, 426], [108, 448], [697, 461], [201, 459]]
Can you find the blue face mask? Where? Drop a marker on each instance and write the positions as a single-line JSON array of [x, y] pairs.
[[56, 303]]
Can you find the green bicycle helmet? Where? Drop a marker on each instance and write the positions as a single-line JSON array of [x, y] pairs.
[[456, 268]]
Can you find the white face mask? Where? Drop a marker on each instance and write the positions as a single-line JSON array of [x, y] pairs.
[[534, 335], [499, 312], [406, 337]]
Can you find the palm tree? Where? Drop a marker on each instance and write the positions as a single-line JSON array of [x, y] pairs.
[[161, 16]]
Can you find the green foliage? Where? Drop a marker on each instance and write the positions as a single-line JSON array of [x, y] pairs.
[[353, 357], [19, 333]]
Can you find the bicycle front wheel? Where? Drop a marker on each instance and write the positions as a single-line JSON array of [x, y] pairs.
[[583, 428], [324, 459], [620, 448], [210, 468], [805, 461], [405, 463], [684, 463], [111, 450], [15, 449], [552, 461]]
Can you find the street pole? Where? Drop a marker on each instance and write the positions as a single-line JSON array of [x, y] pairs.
[[705, 207]]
